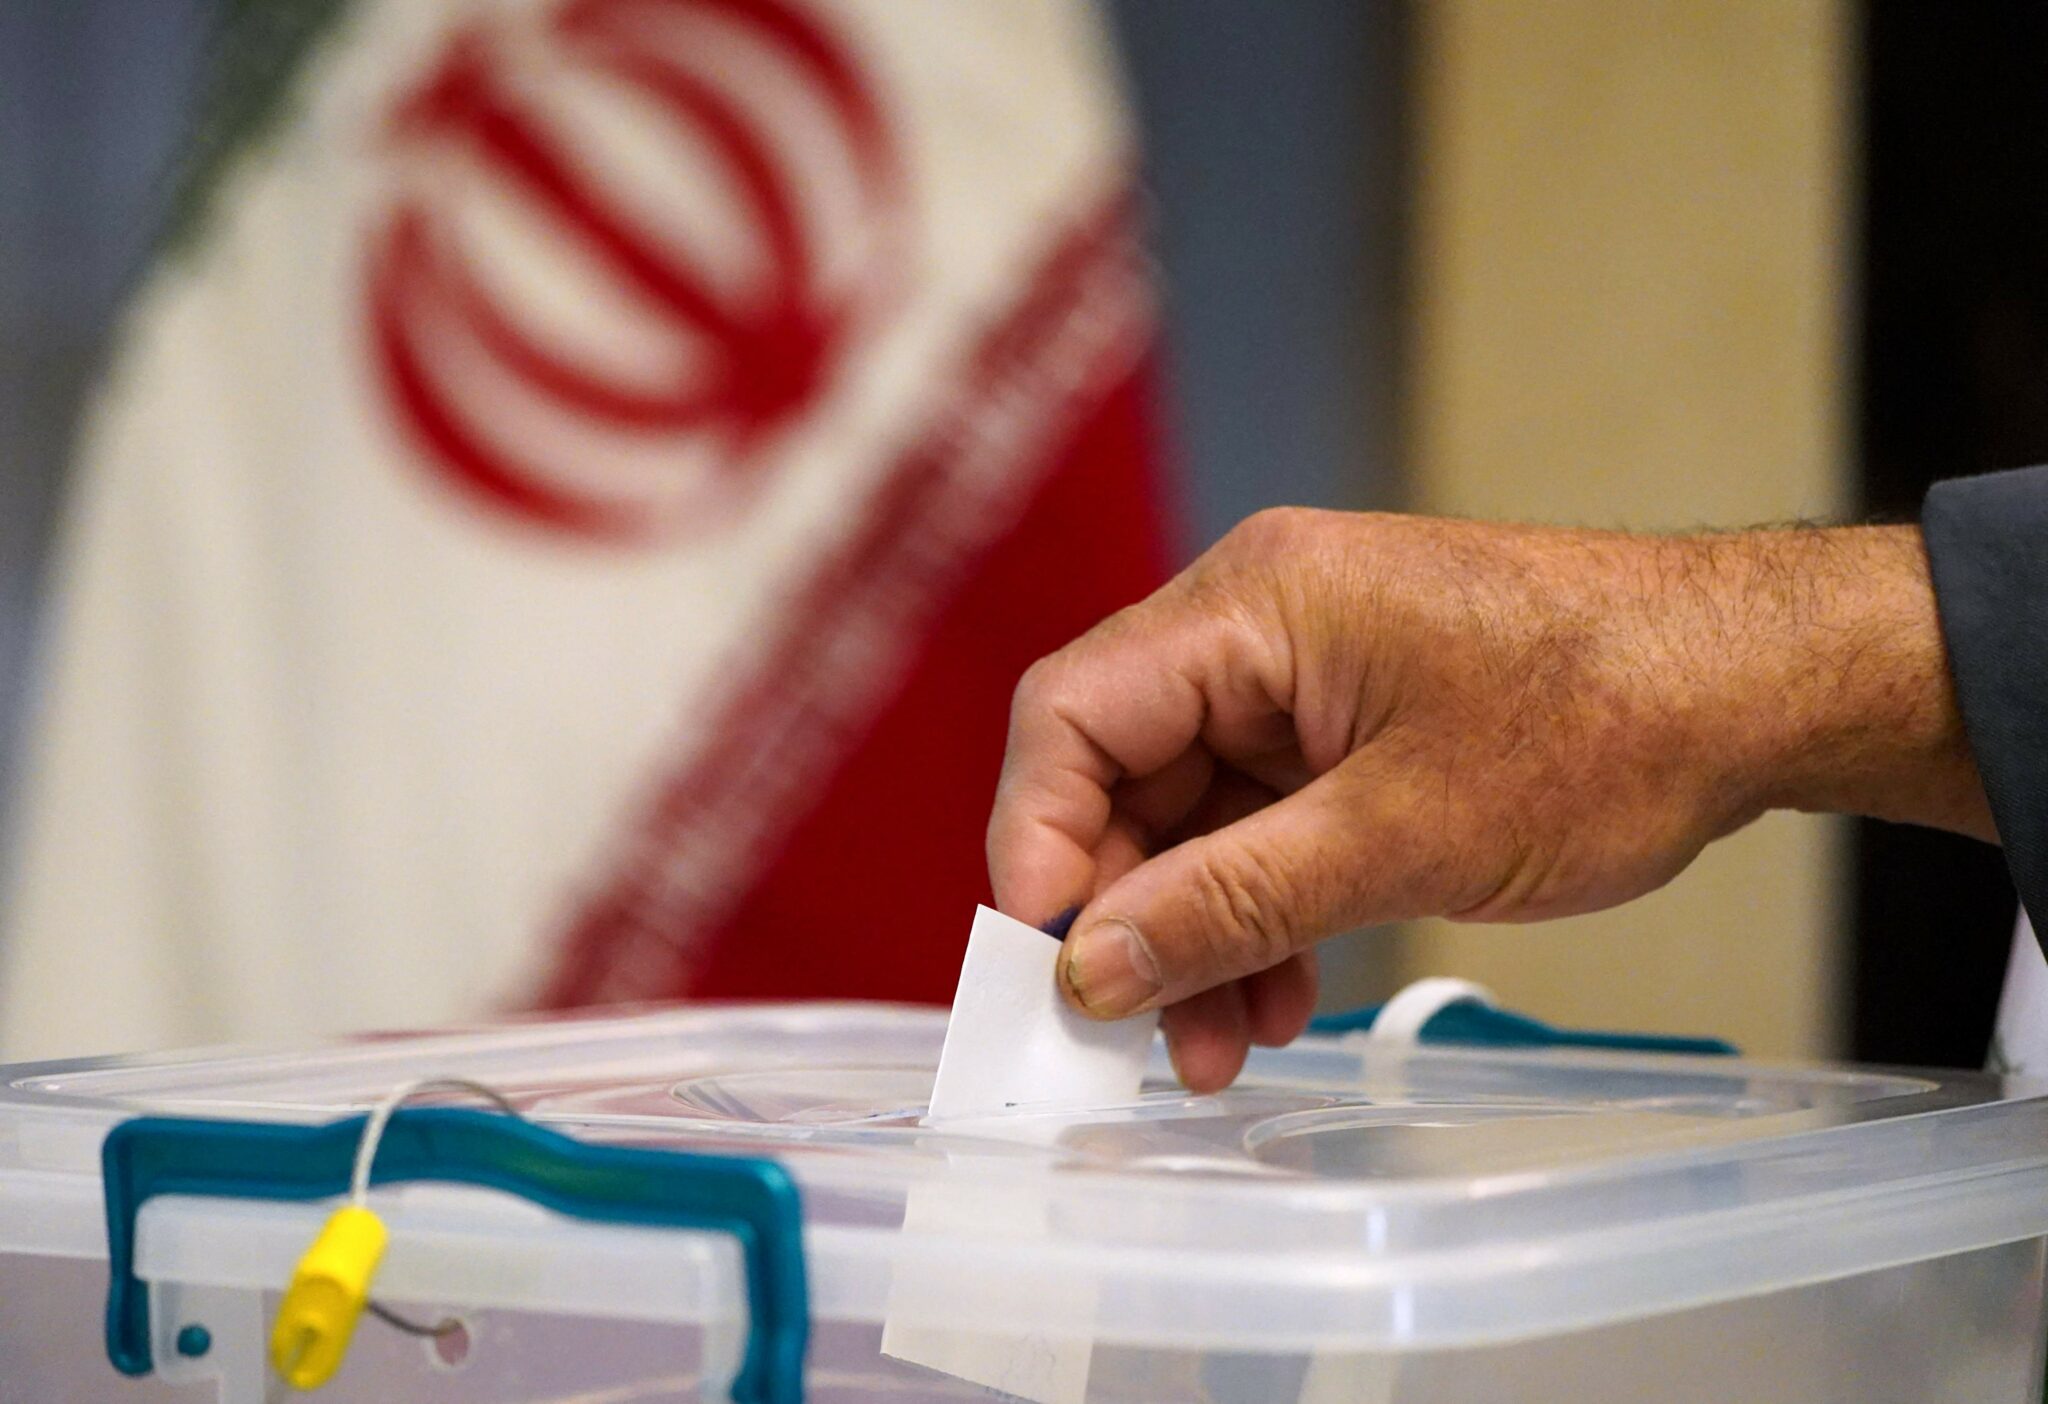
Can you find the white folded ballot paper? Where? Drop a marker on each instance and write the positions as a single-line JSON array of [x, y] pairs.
[[1014, 1051], [1013, 1041]]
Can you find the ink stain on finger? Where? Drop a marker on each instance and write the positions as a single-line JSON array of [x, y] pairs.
[[1060, 925]]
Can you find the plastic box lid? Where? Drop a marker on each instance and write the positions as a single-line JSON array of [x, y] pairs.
[[1345, 1195]]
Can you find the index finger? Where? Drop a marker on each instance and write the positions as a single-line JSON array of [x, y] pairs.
[[1121, 702]]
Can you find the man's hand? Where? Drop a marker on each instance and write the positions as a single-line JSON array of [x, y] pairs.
[[1335, 719]]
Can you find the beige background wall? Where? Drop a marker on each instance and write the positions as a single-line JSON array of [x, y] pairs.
[[1627, 309]]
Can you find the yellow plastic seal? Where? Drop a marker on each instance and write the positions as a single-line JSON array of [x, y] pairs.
[[326, 1296]]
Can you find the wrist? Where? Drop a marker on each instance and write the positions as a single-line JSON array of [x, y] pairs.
[[1842, 697]]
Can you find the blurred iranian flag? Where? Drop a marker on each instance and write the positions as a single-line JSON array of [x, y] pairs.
[[567, 511]]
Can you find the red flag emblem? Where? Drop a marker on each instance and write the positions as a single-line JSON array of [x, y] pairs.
[[632, 244]]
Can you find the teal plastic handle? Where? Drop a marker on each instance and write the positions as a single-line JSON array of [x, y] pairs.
[[1474, 1024], [753, 1200]]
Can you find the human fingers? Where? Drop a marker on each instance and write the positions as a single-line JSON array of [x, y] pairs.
[[1208, 1036], [1124, 702], [1280, 1001], [1367, 842]]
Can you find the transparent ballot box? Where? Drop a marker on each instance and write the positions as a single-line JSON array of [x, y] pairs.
[[746, 1202]]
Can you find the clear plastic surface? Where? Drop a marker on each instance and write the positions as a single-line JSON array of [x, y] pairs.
[[1349, 1222]]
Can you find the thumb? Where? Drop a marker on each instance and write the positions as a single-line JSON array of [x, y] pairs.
[[1346, 850]]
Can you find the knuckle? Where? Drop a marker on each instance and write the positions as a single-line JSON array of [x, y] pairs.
[[1035, 687], [1241, 902], [1239, 577], [1270, 529], [1058, 674]]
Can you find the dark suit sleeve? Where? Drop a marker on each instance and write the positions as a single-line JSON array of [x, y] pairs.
[[1987, 545]]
